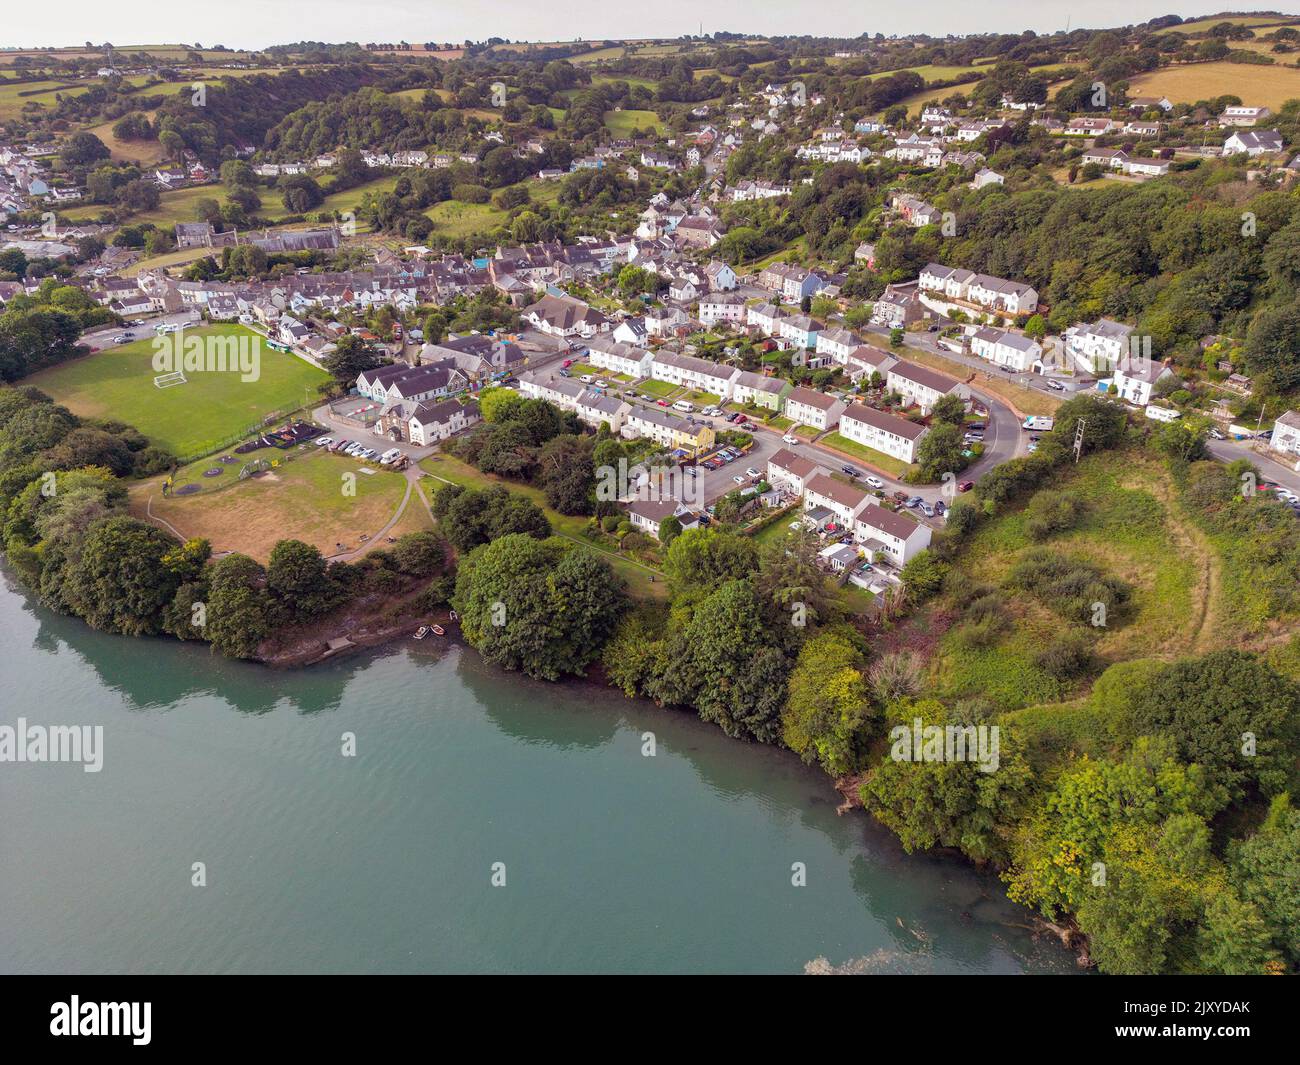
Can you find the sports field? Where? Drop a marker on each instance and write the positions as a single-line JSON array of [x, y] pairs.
[[186, 419]]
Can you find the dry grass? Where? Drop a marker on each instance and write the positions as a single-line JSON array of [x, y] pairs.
[[1258, 86]]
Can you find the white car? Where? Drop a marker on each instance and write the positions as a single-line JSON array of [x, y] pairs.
[[790, 438], [324, 441], [752, 472], [586, 379], [738, 479], [875, 482]]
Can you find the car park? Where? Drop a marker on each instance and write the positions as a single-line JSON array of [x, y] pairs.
[[875, 482]]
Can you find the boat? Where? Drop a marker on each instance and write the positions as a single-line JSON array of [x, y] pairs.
[[439, 631], [423, 631]]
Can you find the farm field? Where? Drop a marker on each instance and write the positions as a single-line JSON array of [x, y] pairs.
[[1205, 24], [452, 218], [301, 499], [145, 153], [1259, 86], [186, 419], [443, 469]]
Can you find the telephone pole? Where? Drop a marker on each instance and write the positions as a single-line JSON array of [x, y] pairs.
[[1078, 438]]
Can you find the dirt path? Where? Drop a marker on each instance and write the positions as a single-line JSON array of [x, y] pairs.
[[378, 538], [1203, 631]]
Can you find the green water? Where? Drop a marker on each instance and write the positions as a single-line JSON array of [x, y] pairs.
[[382, 862]]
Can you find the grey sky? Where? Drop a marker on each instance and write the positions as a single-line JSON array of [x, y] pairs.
[[258, 23]]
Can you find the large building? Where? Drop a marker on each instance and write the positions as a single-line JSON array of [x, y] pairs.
[[922, 386], [887, 433], [806, 406]]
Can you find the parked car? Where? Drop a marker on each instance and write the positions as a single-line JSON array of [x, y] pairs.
[[752, 472], [976, 427], [790, 439], [852, 471], [915, 502], [733, 416], [586, 379], [738, 479], [1217, 434], [1006, 369], [323, 441], [875, 482], [690, 471], [1056, 386], [965, 486], [796, 525], [122, 338], [940, 507], [927, 509], [565, 373]]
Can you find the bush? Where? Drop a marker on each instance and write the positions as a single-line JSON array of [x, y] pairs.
[[1068, 657], [1050, 512], [1071, 587]]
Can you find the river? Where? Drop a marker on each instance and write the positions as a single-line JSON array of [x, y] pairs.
[[383, 860]]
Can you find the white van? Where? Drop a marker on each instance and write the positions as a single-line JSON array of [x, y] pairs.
[[684, 407]]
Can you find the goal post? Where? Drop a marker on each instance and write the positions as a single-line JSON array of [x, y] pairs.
[[166, 380]]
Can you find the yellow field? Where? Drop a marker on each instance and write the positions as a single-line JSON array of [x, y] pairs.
[[1258, 86], [1202, 25]]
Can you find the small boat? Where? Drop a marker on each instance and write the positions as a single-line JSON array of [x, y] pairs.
[[423, 631], [438, 630]]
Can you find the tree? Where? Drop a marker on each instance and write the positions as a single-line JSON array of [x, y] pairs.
[[543, 607], [296, 575], [119, 583], [949, 409], [701, 559], [82, 149], [300, 193], [923, 575], [568, 474], [351, 358], [1265, 870], [240, 613], [1229, 713], [498, 404], [827, 707]]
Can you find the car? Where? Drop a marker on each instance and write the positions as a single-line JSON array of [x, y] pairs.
[[337, 445], [122, 338], [875, 482], [733, 416], [661, 402], [741, 419], [1006, 369], [940, 507], [796, 525], [565, 373], [850, 470], [1056, 386], [601, 383], [976, 427], [136, 321], [690, 471], [753, 472], [1218, 434], [567, 363], [790, 439], [738, 479], [323, 441], [586, 379], [965, 486], [1032, 448], [915, 502], [927, 509], [934, 329]]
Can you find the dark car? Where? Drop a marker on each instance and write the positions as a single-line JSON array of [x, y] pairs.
[[965, 486], [850, 470]]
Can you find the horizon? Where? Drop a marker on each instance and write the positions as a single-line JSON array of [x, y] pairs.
[[334, 22]]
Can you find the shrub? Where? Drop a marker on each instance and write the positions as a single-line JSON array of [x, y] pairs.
[[1068, 657]]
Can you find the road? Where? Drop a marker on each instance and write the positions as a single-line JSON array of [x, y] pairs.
[[1270, 469], [100, 339]]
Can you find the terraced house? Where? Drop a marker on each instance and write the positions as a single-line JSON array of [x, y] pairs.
[[669, 430], [690, 372], [806, 406], [620, 358], [887, 433], [922, 386], [768, 392]]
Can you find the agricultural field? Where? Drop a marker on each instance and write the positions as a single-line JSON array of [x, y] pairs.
[[144, 153], [622, 123], [451, 218], [187, 419], [1258, 86], [302, 498], [1253, 21]]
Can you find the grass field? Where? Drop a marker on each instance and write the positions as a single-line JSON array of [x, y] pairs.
[[1202, 25], [454, 219], [445, 469], [623, 123], [895, 468], [1258, 86], [302, 499], [144, 153], [189, 418], [1026, 400]]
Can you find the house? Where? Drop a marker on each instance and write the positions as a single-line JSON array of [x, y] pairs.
[[700, 375], [1262, 142], [1136, 377], [897, 307], [837, 343], [924, 387], [982, 290], [1112, 158], [722, 307], [791, 472], [998, 346], [595, 409], [1095, 347], [668, 430], [760, 391], [801, 330], [631, 331], [806, 406], [1150, 103], [193, 234], [985, 176], [887, 433], [648, 515], [431, 422], [617, 357], [865, 254], [720, 277], [898, 536], [1089, 127], [665, 321], [822, 491], [564, 316], [789, 282], [397, 383], [561, 391], [1286, 433], [1243, 116], [766, 317]]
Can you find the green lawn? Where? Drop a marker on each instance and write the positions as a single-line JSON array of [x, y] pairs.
[[454, 219], [622, 123], [186, 419], [887, 463], [444, 468], [658, 389]]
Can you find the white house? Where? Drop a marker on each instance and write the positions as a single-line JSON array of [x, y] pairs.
[[1286, 433], [698, 374], [821, 490], [806, 406], [1244, 116], [647, 515], [837, 343], [922, 386], [792, 472], [898, 536], [431, 422], [1095, 347], [595, 409], [1005, 349], [887, 433], [722, 307], [1135, 379], [1253, 142], [609, 354], [801, 330], [561, 391]]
